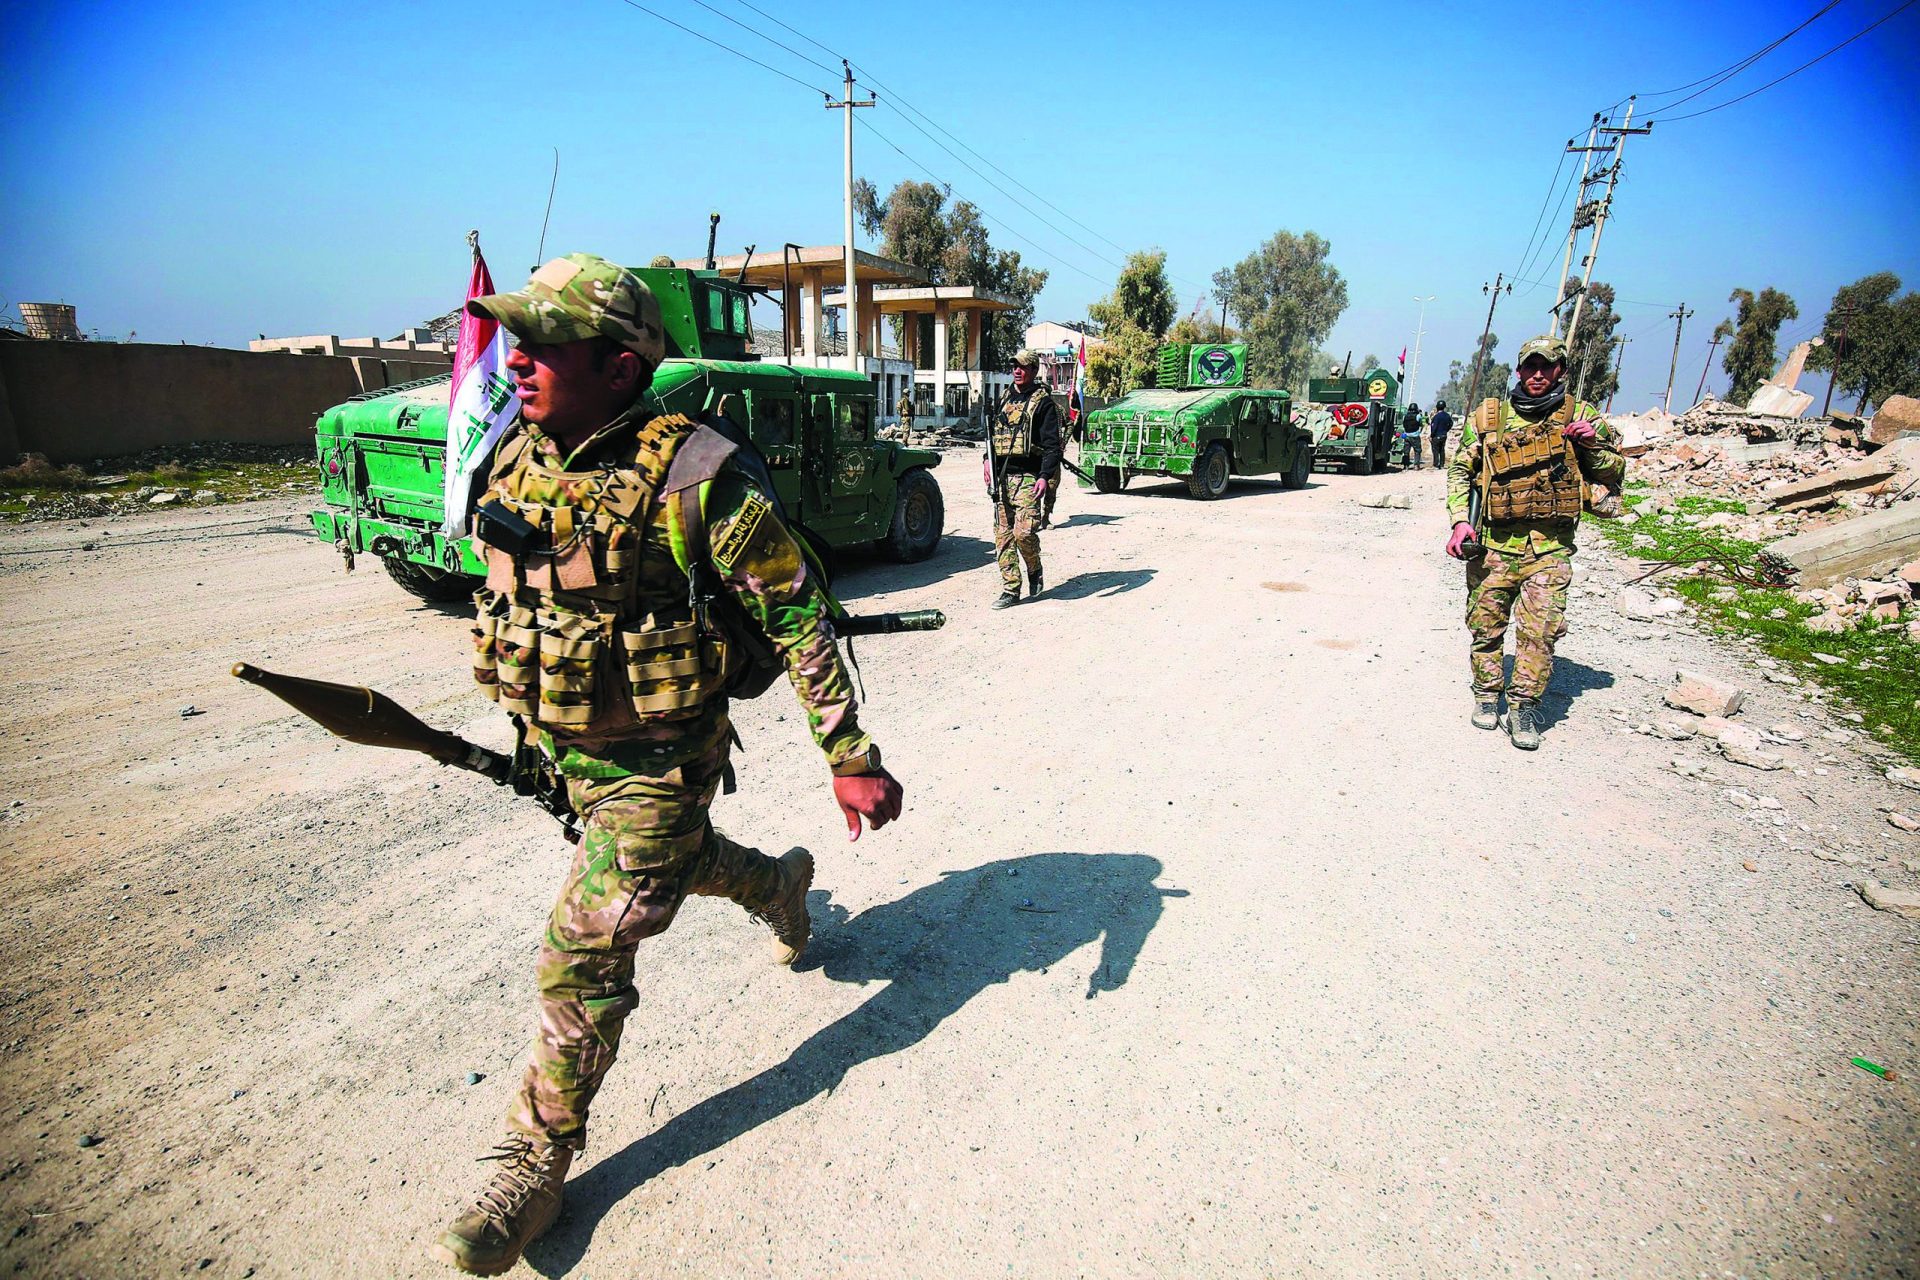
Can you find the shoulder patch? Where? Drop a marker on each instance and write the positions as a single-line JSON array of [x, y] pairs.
[[739, 535]]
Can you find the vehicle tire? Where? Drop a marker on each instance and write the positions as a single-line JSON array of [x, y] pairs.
[[919, 517], [1296, 475], [435, 586], [1210, 474], [1108, 479]]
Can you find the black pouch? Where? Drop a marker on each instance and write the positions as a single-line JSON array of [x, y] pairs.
[[497, 525]]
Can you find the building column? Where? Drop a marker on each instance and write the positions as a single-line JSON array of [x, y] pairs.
[[790, 315], [910, 337], [976, 333], [940, 312], [813, 314]]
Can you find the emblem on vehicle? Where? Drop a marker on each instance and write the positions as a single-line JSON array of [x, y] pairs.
[[1216, 366], [1377, 389]]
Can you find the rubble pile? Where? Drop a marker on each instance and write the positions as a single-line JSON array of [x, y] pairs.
[[953, 435]]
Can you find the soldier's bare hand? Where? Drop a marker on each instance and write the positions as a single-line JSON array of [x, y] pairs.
[[877, 797], [1580, 432], [1457, 543]]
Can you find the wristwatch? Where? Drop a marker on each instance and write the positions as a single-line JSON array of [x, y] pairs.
[[867, 761]]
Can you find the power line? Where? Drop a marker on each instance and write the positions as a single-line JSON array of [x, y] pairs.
[[747, 57], [755, 31], [921, 165], [1720, 106], [1724, 73], [1534, 249]]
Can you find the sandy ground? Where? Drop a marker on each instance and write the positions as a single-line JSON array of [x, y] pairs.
[[1214, 941]]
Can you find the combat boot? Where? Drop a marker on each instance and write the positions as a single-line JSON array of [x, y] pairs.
[[1007, 600], [1486, 712], [1523, 725], [518, 1205], [1036, 583], [786, 915]]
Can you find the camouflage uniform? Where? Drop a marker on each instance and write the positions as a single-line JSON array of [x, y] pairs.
[[642, 782], [1026, 434], [905, 409], [1528, 564]]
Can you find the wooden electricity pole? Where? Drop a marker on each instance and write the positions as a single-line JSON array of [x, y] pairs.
[[1679, 317]]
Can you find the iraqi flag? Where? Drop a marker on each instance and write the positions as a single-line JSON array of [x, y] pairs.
[[482, 406], [1077, 408]]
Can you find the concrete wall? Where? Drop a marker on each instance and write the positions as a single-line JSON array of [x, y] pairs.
[[75, 401]]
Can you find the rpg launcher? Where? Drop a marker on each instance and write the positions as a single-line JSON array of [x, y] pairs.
[[362, 715]]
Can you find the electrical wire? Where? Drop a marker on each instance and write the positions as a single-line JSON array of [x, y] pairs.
[[1726, 72], [746, 57], [922, 166], [755, 31], [1721, 106], [1552, 184]]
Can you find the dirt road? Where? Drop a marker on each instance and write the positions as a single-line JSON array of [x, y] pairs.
[[1214, 941]]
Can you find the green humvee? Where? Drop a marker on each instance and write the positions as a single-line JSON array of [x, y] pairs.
[[1200, 422], [382, 453], [1355, 421]]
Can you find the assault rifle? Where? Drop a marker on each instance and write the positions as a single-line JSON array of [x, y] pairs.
[[373, 719]]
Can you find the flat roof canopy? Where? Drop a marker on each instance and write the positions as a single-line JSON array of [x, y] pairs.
[[766, 269], [958, 297]]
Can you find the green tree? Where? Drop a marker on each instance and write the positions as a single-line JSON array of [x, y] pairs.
[[1590, 351], [1881, 355], [915, 224], [1495, 377], [1750, 357], [1133, 321], [1287, 297]]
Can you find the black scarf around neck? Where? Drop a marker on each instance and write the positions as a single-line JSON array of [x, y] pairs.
[[1534, 408]]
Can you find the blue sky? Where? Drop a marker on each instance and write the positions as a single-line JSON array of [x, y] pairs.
[[213, 171]]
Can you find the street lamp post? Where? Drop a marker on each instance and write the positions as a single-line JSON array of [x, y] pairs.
[[1419, 332]]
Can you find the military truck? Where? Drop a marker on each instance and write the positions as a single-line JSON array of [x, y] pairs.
[[1201, 422], [381, 454], [1355, 421]]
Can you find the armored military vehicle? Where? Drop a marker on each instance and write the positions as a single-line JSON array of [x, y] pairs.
[[1200, 422], [1355, 421], [381, 453]]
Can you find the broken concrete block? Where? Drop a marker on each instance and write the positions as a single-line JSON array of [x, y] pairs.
[[1712, 725], [1901, 902], [1902, 821], [1861, 547], [1897, 414], [1905, 777], [1829, 623], [1821, 489], [1703, 695], [1642, 605], [1882, 592], [1745, 746]]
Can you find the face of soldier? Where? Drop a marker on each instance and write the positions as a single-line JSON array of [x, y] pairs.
[[1538, 375], [1022, 377], [572, 389]]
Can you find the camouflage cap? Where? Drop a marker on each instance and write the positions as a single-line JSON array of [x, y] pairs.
[[581, 296], [1549, 348], [1028, 358]]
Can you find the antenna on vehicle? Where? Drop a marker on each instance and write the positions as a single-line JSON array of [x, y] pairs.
[[713, 230], [541, 253], [1346, 362], [745, 263]]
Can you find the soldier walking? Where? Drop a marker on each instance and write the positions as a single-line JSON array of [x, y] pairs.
[[1022, 464], [1413, 432], [590, 632], [1531, 456], [1439, 426]]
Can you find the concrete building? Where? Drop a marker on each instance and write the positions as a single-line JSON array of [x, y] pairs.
[[1059, 348], [942, 393]]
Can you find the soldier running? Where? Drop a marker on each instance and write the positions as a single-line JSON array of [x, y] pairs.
[[1023, 464], [1532, 457], [590, 634]]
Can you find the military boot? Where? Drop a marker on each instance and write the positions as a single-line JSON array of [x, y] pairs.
[[1486, 711], [786, 915], [1007, 600], [1036, 583], [518, 1205], [1523, 725]]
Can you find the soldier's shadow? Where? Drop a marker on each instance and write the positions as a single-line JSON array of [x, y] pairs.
[[935, 949]]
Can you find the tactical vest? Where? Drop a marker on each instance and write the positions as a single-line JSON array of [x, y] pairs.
[[1013, 429], [1531, 470], [568, 635]]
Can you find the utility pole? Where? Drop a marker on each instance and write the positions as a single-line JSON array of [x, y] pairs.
[[1580, 206], [1618, 360], [1419, 332], [1479, 355], [1679, 317], [1612, 172], [847, 104], [1708, 367], [1833, 375]]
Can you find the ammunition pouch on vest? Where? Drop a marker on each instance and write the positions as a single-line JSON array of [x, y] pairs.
[[561, 638], [1013, 431], [1532, 472]]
